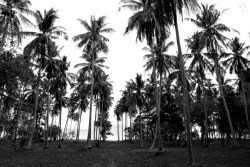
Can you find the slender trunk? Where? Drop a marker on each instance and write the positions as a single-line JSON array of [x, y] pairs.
[[185, 92], [157, 129], [141, 130], [65, 127], [101, 122], [130, 122], [51, 125], [20, 104], [35, 110], [60, 120], [224, 101], [118, 130], [70, 127], [126, 125], [95, 127], [122, 126], [206, 116], [245, 105], [91, 98], [79, 126], [47, 123]]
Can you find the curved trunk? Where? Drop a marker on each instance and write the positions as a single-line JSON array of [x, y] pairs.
[[185, 92], [245, 105]]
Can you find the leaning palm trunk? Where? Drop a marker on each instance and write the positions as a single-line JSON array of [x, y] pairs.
[[184, 83], [245, 105], [91, 98]]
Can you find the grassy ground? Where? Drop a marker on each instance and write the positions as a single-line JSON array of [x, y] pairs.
[[120, 154]]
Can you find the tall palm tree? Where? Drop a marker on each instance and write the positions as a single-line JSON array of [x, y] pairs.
[[208, 20], [94, 42], [12, 15], [199, 64], [237, 64], [150, 27], [137, 95], [38, 47], [171, 9]]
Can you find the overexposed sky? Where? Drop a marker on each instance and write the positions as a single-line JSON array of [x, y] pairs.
[[125, 57]]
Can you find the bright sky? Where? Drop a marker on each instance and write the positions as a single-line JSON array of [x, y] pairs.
[[125, 57]]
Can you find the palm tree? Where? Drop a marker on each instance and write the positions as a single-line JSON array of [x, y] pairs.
[[237, 64], [171, 8], [118, 118], [199, 65], [150, 27], [137, 96], [94, 42], [12, 15], [38, 47], [208, 21]]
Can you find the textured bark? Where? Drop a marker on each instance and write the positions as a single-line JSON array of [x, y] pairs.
[[206, 143]]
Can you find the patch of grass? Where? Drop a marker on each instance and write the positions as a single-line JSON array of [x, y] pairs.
[[122, 154]]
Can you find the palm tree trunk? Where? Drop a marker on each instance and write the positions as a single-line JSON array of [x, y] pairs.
[[60, 119], [95, 127], [206, 115], [245, 105], [142, 146], [118, 130], [122, 126], [70, 126], [20, 104], [157, 129], [35, 110], [126, 125], [65, 127], [185, 93], [51, 125], [130, 122], [91, 98], [47, 123]]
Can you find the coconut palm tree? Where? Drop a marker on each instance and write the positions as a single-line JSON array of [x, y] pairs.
[[137, 96], [150, 27], [199, 64], [236, 63], [118, 118], [208, 20], [171, 9], [13, 13], [94, 42], [38, 47]]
